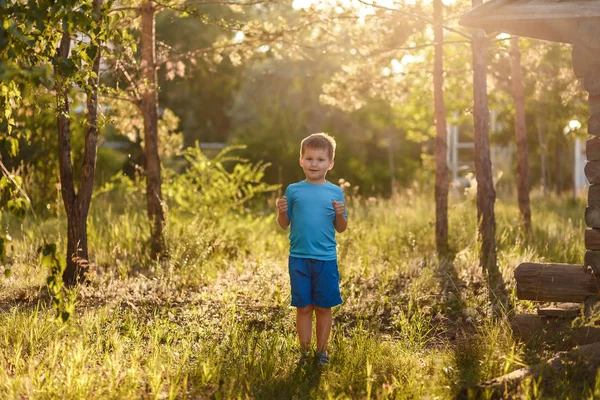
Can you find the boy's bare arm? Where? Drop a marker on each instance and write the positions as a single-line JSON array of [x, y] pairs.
[[340, 222], [282, 218]]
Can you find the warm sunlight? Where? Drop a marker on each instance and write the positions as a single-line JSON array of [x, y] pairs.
[[281, 199]]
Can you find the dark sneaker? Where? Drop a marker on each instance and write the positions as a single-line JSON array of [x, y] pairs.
[[322, 359], [303, 360]]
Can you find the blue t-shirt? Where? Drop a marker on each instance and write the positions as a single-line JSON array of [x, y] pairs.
[[310, 209]]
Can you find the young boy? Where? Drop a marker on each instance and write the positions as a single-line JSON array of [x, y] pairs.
[[315, 209]]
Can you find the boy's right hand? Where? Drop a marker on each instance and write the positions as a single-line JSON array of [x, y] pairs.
[[282, 205]]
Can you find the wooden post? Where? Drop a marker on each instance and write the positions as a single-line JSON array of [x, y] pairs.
[[586, 64], [594, 195], [591, 80], [592, 217], [592, 171], [594, 125]]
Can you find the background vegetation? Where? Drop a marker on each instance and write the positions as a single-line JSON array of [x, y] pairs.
[[212, 318]]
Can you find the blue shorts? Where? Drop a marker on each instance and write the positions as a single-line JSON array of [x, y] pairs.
[[314, 282]]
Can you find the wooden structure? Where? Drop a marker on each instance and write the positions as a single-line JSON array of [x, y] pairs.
[[577, 23]]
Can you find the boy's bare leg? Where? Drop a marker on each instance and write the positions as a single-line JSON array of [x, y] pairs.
[[304, 326], [324, 322]]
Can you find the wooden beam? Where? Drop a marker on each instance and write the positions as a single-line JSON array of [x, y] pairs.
[[594, 125], [591, 80], [592, 149], [555, 282], [592, 171], [592, 260], [581, 59], [592, 217], [557, 31], [594, 104], [590, 33], [592, 239], [528, 13], [594, 195]]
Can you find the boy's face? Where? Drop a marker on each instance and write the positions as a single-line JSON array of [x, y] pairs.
[[315, 163]]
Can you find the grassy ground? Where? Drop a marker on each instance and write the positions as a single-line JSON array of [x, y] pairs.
[[214, 321]]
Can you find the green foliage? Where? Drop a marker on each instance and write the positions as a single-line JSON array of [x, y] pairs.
[[63, 298], [11, 195], [208, 187]]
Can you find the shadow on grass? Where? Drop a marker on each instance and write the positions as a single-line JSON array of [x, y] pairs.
[[466, 368], [29, 299], [301, 382]]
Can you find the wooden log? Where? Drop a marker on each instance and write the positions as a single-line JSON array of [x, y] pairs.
[[531, 326], [592, 260], [526, 326], [592, 239], [555, 282], [594, 125], [591, 80], [594, 104], [583, 58], [589, 34], [580, 60], [503, 387], [594, 195], [592, 171], [561, 311], [592, 149], [592, 217]]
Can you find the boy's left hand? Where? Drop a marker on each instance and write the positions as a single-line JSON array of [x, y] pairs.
[[338, 206]]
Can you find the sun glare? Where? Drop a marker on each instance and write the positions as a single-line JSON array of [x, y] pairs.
[[574, 124], [239, 37]]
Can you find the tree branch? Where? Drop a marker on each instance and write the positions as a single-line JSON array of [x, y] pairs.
[[64, 131], [232, 3], [118, 9], [415, 16], [117, 97], [184, 7]]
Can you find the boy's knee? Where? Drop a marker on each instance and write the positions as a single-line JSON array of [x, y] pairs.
[[322, 310], [305, 310]]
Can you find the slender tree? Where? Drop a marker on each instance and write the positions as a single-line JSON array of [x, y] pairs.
[[149, 106], [441, 145], [486, 194], [77, 204], [521, 134]]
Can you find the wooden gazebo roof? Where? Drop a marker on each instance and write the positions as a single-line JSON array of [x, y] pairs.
[[555, 20]]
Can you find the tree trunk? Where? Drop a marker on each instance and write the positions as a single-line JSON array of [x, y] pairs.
[[441, 145], [150, 113], [543, 162], [77, 204], [486, 194], [521, 132], [67, 187], [558, 160]]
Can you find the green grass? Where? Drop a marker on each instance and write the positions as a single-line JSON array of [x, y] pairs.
[[214, 321]]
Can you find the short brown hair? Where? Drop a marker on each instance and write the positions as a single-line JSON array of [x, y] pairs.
[[319, 141]]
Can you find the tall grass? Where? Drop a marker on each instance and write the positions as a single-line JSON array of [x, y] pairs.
[[214, 320]]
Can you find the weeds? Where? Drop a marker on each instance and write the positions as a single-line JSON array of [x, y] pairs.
[[214, 321]]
